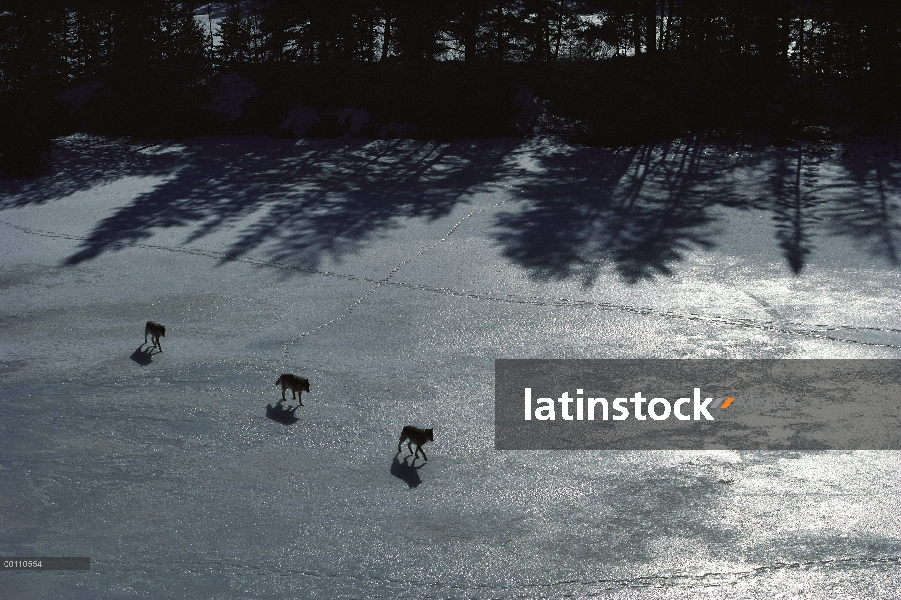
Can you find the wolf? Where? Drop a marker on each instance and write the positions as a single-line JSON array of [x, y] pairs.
[[297, 385], [417, 436], [155, 331]]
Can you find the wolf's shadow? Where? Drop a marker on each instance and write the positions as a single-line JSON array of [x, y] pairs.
[[409, 473], [280, 414], [143, 356]]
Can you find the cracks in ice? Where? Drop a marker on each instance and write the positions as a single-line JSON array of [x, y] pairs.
[[387, 279], [816, 331], [715, 578], [601, 586]]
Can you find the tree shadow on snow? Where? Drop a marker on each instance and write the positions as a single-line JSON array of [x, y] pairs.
[[868, 209], [281, 414], [636, 211], [639, 210], [83, 163], [407, 472], [292, 203]]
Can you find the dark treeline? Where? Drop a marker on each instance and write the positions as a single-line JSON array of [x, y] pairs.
[[622, 71]]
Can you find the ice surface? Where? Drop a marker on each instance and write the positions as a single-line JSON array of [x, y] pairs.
[[392, 274]]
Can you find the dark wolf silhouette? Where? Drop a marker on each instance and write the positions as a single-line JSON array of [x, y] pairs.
[[417, 436], [155, 331]]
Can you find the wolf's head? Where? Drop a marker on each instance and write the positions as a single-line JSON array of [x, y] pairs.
[[304, 384], [428, 433], [162, 331]]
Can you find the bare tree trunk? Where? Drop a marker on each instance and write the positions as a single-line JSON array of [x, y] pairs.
[[801, 43], [559, 34], [386, 38], [636, 32], [543, 48], [468, 23], [651, 17], [666, 24], [500, 30]]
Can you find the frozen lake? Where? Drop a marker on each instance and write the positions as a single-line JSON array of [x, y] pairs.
[[392, 274]]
